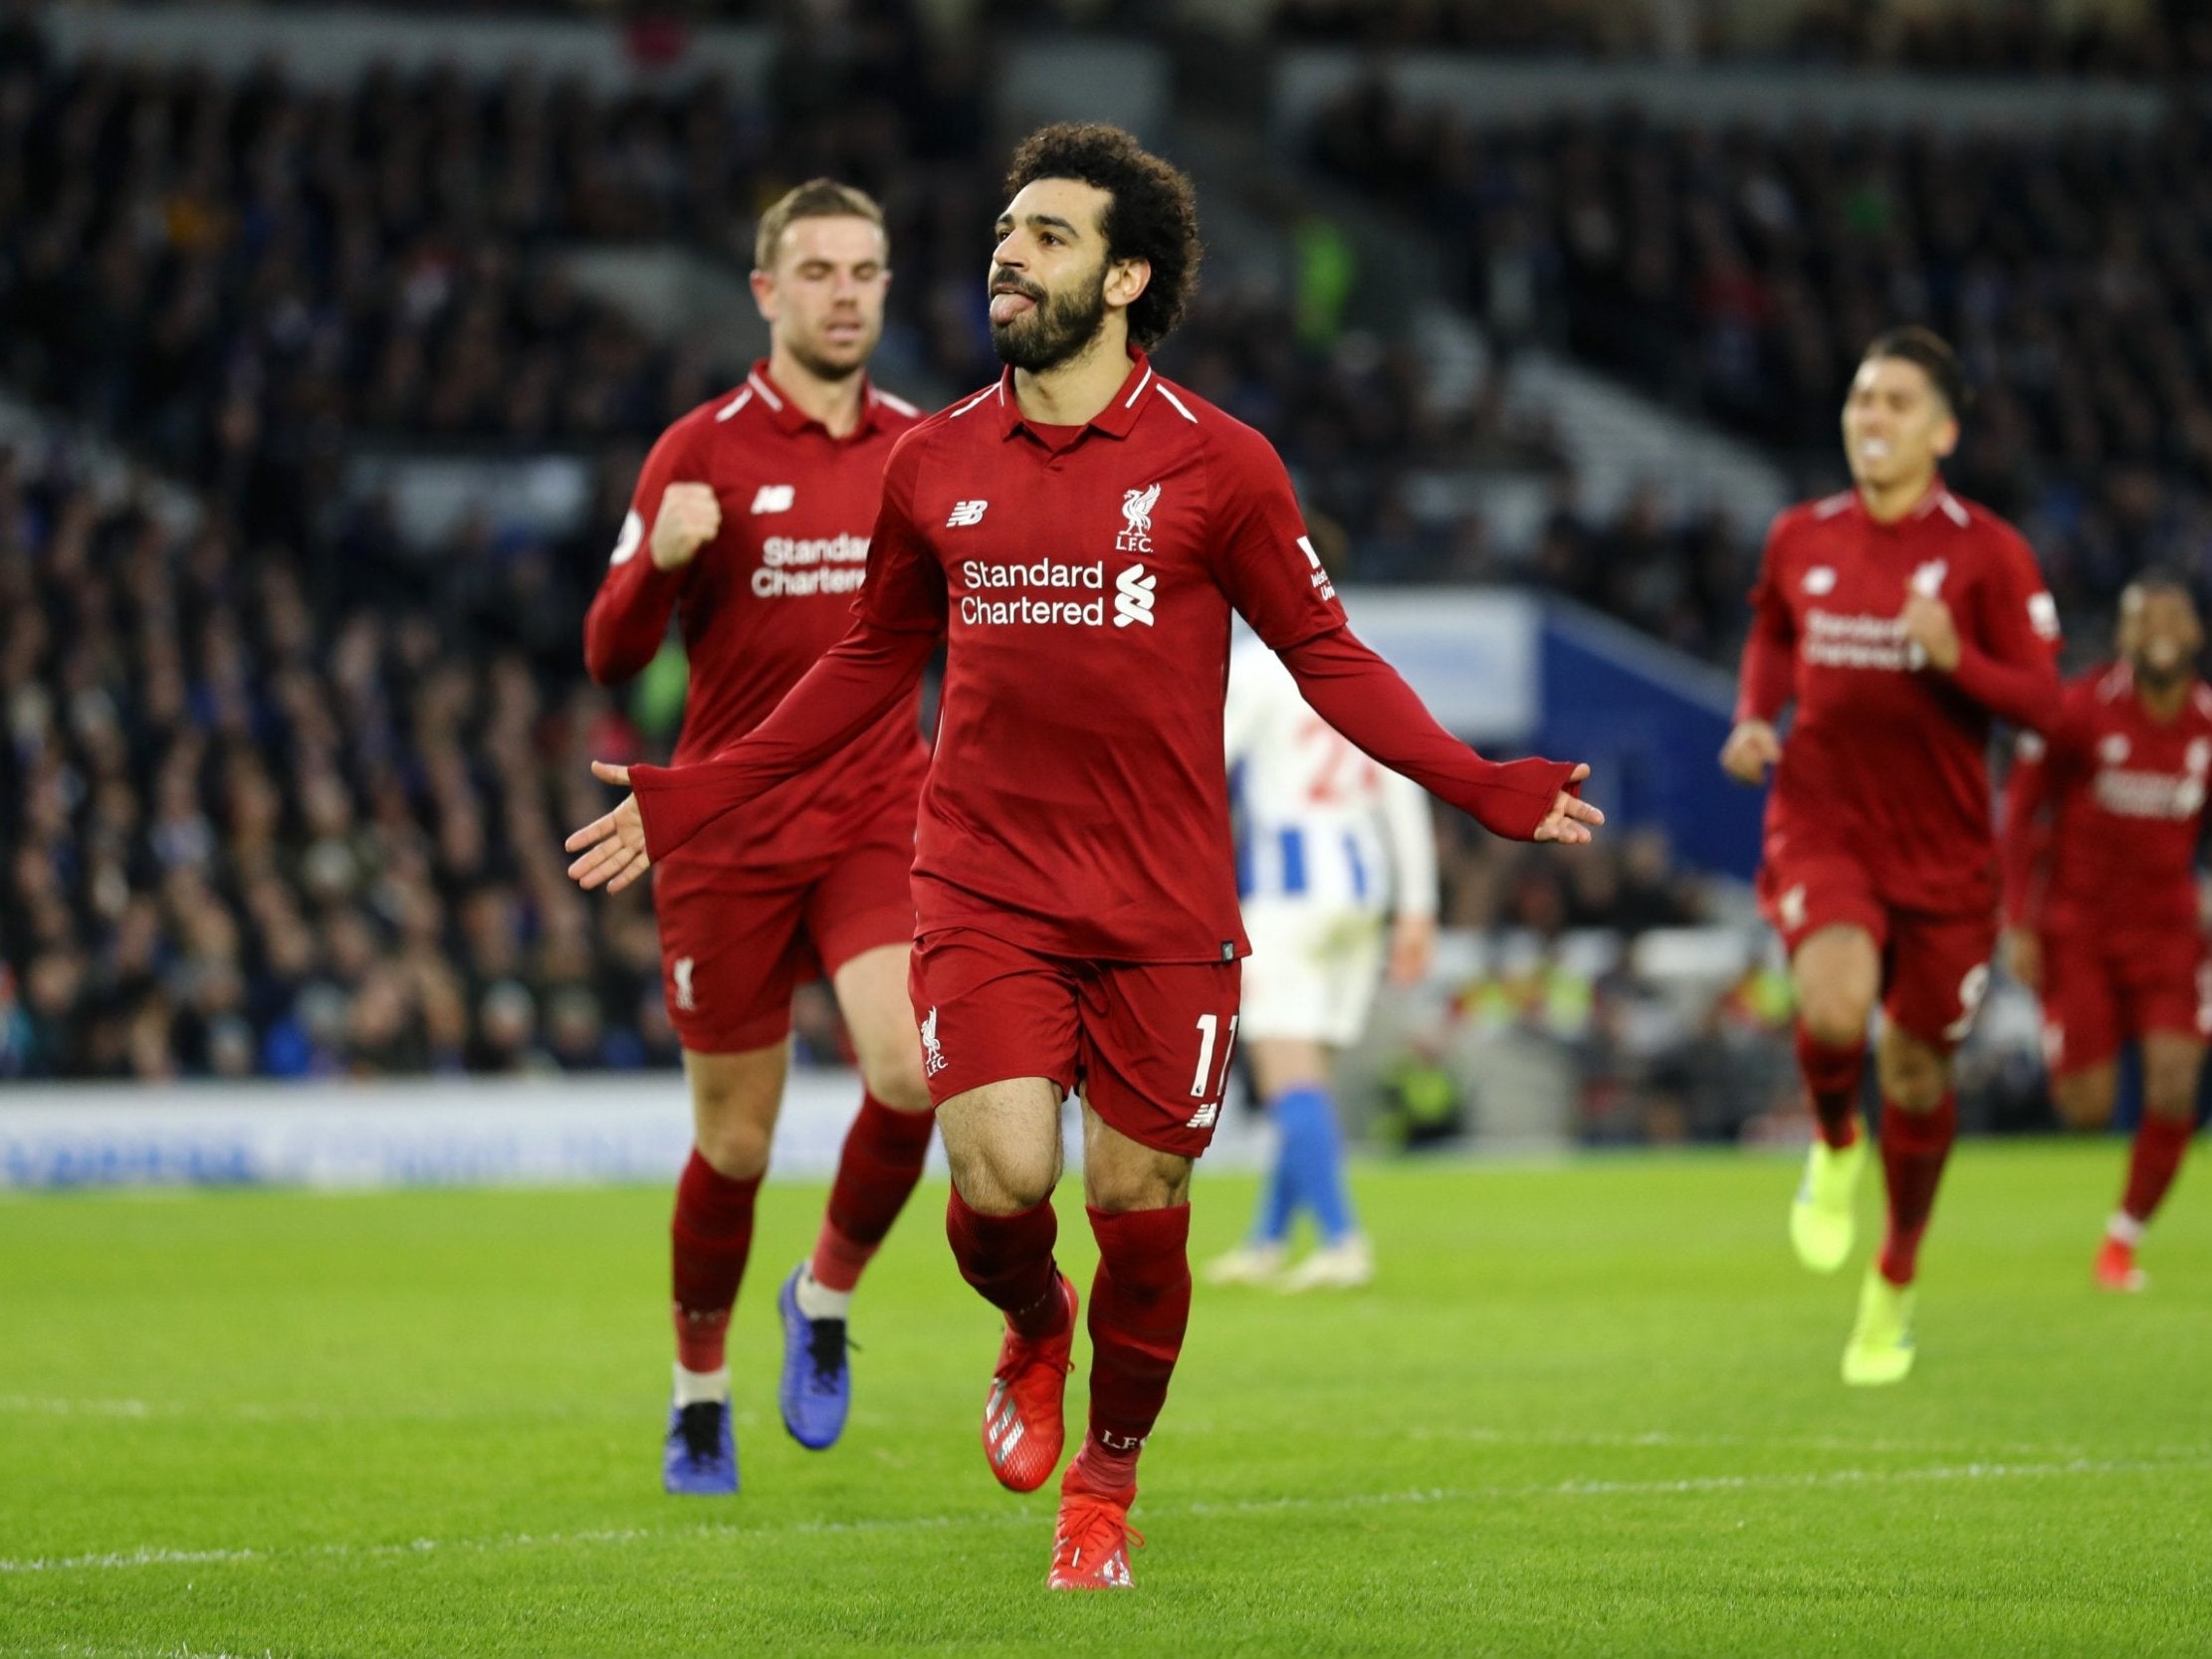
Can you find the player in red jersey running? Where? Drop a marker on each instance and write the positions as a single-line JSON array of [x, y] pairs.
[[751, 523], [2102, 817], [1080, 533], [1902, 620]]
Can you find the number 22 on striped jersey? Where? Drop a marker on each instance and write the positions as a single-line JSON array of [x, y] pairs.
[[1209, 1031]]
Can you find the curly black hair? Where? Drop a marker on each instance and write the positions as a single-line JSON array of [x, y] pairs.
[[1152, 214]]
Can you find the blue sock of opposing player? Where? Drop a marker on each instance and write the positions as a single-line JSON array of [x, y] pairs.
[[1313, 1158]]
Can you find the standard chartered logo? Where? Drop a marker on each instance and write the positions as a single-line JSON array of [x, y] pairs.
[[1049, 592], [1133, 596], [795, 567]]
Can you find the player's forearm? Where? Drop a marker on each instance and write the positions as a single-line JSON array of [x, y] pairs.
[[1364, 698], [854, 684], [2023, 844], [1769, 675], [628, 620], [2027, 693]]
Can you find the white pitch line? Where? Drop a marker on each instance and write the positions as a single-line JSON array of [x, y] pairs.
[[1698, 1484]]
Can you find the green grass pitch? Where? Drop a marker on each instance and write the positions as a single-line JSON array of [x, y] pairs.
[[1590, 1408]]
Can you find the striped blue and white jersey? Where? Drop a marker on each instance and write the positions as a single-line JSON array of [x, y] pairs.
[[1319, 823]]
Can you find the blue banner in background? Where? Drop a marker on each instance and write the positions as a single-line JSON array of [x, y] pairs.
[[1650, 721]]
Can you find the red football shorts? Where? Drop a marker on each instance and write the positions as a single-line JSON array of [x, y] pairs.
[[2099, 991], [1146, 1043], [737, 941], [1935, 967]]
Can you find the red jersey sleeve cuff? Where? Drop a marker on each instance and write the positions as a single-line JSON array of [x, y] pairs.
[[1519, 795], [659, 793]]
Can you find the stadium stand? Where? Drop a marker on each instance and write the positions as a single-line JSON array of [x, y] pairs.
[[1735, 272]]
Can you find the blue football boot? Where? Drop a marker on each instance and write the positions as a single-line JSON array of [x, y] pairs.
[[818, 1385], [701, 1458]]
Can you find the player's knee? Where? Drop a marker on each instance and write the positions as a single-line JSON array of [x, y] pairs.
[[1001, 1180], [2083, 1101], [895, 1077], [2170, 1088], [738, 1150], [1834, 1016], [731, 1130], [1914, 1075]]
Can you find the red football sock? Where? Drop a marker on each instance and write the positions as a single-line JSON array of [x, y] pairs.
[[1009, 1259], [711, 1236], [1140, 1307], [876, 1171], [2160, 1143], [1914, 1147], [1831, 1080]]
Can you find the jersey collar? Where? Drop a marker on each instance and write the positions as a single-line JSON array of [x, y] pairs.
[[790, 417], [1116, 420], [1937, 497]]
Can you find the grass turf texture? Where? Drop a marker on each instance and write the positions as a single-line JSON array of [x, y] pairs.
[[1588, 1408]]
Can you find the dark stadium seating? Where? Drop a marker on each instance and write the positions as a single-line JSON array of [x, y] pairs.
[[1736, 274]]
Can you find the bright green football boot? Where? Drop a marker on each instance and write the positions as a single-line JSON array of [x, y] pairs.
[[1822, 1217], [1881, 1348]]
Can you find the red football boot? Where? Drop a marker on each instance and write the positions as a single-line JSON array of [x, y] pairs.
[[1025, 1428], [1090, 1550], [2116, 1268]]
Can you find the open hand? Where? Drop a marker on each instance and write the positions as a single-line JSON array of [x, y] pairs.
[[1569, 821], [614, 847]]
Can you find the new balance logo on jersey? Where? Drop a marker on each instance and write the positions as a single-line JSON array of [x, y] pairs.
[[1320, 577], [1133, 596], [681, 974], [1136, 511], [1819, 580], [966, 514], [933, 1057], [1205, 1116], [775, 498]]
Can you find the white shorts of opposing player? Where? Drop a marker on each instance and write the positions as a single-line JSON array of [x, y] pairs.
[[1313, 970]]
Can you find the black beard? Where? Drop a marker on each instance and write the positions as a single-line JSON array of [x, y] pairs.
[[2161, 680], [1058, 330]]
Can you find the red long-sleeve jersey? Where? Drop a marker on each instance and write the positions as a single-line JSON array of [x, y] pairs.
[[1077, 802], [761, 603], [1888, 759], [2104, 811]]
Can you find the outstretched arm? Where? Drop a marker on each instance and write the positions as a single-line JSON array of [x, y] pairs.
[[1272, 574], [854, 684], [1364, 698]]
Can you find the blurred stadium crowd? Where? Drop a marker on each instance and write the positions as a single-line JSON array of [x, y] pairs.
[[1737, 273], [284, 796]]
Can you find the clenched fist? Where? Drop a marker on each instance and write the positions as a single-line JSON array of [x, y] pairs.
[[689, 518]]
